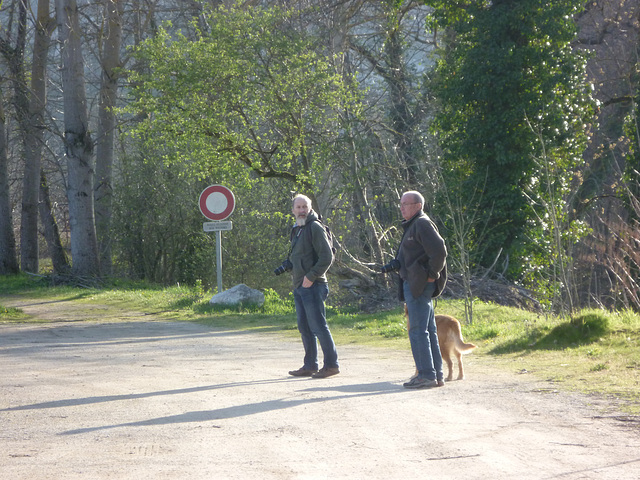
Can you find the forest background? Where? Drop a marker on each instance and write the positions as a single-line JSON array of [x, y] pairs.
[[515, 118]]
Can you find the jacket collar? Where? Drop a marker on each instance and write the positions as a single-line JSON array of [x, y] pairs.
[[407, 223], [311, 217]]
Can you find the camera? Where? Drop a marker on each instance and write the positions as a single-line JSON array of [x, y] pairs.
[[392, 266], [286, 266]]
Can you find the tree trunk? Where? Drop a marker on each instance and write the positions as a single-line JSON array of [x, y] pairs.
[[34, 134], [78, 143], [8, 258], [58, 255], [106, 126]]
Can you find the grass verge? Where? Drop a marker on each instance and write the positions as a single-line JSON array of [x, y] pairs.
[[594, 352]]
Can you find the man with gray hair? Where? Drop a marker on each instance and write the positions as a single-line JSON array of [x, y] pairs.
[[421, 264], [311, 256]]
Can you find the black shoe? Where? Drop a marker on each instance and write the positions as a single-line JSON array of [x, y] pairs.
[[420, 383]]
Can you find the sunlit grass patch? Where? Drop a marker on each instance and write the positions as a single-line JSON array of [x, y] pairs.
[[10, 314]]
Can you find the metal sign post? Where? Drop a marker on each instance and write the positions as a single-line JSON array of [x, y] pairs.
[[219, 259], [217, 203], [218, 227]]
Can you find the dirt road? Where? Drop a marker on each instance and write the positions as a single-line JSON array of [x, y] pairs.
[[96, 399]]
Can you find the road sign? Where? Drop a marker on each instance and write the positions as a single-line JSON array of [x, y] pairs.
[[217, 226], [217, 202]]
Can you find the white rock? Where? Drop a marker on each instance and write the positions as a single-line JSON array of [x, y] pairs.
[[237, 295]]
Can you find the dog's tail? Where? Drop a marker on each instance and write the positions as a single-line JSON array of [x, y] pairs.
[[461, 346]]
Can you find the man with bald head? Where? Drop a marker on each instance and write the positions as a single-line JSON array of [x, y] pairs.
[[421, 264]]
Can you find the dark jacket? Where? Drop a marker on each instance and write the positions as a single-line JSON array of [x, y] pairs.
[[422, 255], [311, 254]]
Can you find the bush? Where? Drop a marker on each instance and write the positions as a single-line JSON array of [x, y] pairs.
[[584, 328]]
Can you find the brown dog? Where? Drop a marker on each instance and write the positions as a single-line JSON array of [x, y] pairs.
[[451, 342]]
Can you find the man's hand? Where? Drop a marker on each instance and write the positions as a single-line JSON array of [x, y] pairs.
[[306, 283]]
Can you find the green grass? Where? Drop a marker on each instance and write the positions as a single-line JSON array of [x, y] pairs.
[[594, 352], [10, 314]]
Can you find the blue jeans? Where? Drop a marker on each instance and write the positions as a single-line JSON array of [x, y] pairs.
[[423, 335], [312, 325]]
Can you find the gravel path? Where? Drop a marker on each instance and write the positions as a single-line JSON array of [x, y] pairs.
[[147, 399]]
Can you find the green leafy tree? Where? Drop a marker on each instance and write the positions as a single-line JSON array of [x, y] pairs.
[[247, 103], [248, 98], [512, 90]]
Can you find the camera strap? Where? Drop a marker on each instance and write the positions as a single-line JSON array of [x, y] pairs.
[[295, 238]]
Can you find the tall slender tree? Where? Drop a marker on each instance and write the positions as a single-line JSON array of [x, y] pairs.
[[33, 132], [78, 143], [14, 55], [110, 61], [8, 258]]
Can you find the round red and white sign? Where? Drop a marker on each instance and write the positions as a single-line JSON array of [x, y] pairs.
[[217, 202]]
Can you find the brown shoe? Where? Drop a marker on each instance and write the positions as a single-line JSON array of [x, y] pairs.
[[326, 372], [302, 372]]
